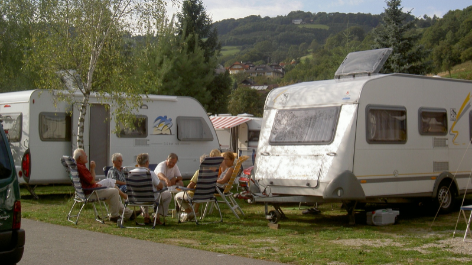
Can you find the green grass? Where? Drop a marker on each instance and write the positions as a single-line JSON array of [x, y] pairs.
[[320, 239], [460, 71], [229, 50], [314, 26]]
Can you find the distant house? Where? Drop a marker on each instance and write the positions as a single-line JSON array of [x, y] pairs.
[[265, 70], [237, 67], [297, 21]]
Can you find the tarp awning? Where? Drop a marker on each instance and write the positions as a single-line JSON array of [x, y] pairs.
[[227, 122]]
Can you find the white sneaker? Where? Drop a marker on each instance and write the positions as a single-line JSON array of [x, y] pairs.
[[183, 217]]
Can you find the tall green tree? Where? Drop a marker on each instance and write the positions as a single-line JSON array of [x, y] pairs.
[[194, 23], [397, 33], [197, 31], [80, 38], [169, 66]]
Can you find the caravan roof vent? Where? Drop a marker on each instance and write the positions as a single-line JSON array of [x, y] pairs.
[[363, 63]]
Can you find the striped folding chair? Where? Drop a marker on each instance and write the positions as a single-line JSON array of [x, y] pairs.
[[204, 191], [81, 198], [140, 192]]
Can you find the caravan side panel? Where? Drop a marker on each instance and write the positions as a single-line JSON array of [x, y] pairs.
[[410, 167]]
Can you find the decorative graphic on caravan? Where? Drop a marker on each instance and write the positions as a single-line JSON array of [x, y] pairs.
[[456, 117], [162, 125]]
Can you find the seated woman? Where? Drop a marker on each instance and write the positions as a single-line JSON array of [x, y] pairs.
[[166, 196], [116, 173], [226, 174]]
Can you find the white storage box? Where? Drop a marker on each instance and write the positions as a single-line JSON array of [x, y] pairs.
[[382, 217]]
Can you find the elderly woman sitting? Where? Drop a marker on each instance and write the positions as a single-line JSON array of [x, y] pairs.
[[226, 174]]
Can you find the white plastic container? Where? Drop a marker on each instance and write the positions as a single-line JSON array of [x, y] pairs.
[[382, 217]]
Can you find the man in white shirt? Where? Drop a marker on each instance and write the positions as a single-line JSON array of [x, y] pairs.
[[143, 162], [168, 172]]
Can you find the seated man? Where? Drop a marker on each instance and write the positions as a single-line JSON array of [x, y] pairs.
[[168, 172], [111, 194], [143, 166], [116, 173]]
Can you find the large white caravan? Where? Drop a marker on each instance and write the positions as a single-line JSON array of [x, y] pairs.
[[366, 137], [239, 134], [41, 132]]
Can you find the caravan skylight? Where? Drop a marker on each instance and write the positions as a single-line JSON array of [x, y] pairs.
[[363, 63]]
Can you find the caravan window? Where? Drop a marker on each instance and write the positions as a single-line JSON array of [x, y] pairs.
[[385, 125], [12, 126], [304, 126], [139, 131], [54, 126], [432, 121], [253, 138], [193, 129]]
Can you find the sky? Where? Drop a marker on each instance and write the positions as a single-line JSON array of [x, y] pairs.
[[224, 9]]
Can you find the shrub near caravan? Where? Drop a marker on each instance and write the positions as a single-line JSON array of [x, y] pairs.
[[365, 137], [40, 133]]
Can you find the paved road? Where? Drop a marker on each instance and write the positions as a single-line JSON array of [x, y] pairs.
[[55, 244]]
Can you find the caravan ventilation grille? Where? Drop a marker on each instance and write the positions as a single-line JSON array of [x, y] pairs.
[[141, 142], [439, 142], [440, 166]]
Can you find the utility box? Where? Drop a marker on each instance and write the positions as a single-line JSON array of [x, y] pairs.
[[382, 217]]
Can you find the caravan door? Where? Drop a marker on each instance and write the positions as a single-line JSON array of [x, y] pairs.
[[96, 134]]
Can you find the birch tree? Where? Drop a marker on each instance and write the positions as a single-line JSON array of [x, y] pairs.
[[80, 39]]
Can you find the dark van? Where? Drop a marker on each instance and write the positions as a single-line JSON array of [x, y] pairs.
[[12, 237]]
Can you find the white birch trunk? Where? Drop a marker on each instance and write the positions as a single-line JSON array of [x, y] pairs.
[[81, 125]]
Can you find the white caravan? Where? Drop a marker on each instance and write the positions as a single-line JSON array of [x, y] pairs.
[[238, 133], [365, 137], [40, 133]]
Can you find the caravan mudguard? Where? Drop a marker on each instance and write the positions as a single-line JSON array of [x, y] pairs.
[[345, 186], [441, 177]]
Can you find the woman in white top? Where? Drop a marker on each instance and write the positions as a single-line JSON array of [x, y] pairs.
[[226, 174]]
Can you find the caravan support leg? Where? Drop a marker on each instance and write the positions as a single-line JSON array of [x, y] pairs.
[[274, 216], [31, 191], [350, 206]]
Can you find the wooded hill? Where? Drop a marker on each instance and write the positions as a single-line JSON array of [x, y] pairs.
[[262, 39]]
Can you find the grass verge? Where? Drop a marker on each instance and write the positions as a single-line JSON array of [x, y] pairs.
[[229, 50], [301, 239]]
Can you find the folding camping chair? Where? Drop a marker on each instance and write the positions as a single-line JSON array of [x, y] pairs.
[[140, 192], [204, 191], [80, 196], [226, 194]]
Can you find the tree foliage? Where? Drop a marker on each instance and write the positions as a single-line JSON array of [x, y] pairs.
[[196, 30], [169, 66], [79, 39], [246, 100], [396, 32]]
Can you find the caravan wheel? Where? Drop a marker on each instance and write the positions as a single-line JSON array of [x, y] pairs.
[[445, 198]]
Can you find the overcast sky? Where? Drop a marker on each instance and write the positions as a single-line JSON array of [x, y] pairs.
[[223, 9]]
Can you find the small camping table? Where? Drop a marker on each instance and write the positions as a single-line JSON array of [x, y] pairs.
[[467, 229]]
